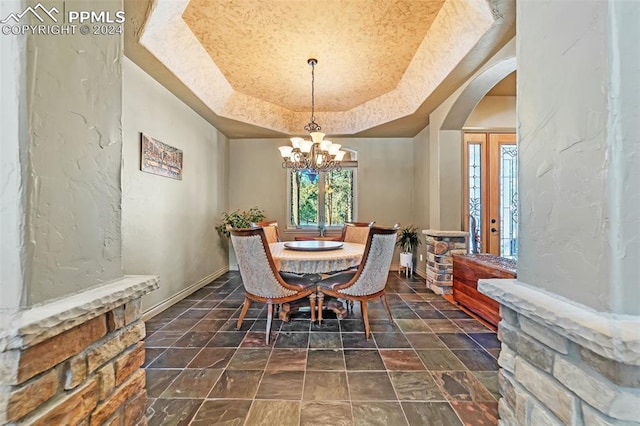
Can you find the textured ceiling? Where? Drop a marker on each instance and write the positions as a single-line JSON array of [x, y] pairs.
[[384, 65], [261, 47]]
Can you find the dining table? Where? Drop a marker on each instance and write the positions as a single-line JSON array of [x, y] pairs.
[[314, 259]]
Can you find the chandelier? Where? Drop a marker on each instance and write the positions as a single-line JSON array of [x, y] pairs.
[[315, 155]]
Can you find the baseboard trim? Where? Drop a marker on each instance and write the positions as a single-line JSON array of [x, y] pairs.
[[155, 310], [421, 274]]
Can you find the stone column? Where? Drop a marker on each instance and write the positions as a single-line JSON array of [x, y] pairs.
[[441, 246], [570, 326]]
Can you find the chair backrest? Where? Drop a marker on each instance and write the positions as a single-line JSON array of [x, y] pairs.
[[271, 230], [373, 271], [258, 272], [356, 232]]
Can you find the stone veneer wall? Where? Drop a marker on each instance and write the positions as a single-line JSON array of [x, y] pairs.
[[441, 246], [77, 361], [562, 363]]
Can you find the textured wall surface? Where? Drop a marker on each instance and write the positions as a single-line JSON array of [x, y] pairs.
[[75, 111], [562, 113], [168, 225]]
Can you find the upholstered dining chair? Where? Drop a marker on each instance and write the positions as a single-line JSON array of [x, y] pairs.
[[356, 232], [262, 281], [271, 230], [369, 280]]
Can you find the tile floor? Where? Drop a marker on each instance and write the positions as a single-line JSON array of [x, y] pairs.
[[434, 366]]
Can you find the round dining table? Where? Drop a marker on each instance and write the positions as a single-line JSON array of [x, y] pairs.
[[304, 259], [315, 261]]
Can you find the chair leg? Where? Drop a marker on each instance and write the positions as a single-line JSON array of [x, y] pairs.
[[245, 308], [312, 305], [365, 318], [386, 306], [320, 302], [269, 319]]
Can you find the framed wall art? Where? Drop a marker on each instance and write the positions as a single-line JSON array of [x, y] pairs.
[[159, 158]]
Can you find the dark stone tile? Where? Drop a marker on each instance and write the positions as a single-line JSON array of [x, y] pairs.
[[425, 341], [205, 304], [232, 325], [296, 325], [455, 314], [325, 386], [472, 326], [251, 314], [430, 413], [194, 314], [287, 359], [194, 339], [429, 314], [183, 325], [175, 358], [477, 413], [163, 339], [437, 359], [494, 353], [403, 359], [413, 326], [192, 383], [486, 340], [212, 358], [362, 359], [391, 340], [462, 386], [227, 339], [443, 305], [416, 386], [322, 413], [357, 341], [490, 381], [442, 326], [249, 359], [237, 384], [402, 313], [223, 314], [229, 412], [458, 341], [384, 327], [269, 413], [325, 359], [477, 360], [327, 326], [153, 325], [174, 412], [368, 386], [232, 304], [322, 340], [378, 414], [292, 340], [281, 385], [351, 326], [258, 339], [158, 380], [208, 325], [150, 355]]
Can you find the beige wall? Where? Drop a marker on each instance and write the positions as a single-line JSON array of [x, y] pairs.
[[167, 224], [385, 178], [73, 189], [493, 112], [421, 191]]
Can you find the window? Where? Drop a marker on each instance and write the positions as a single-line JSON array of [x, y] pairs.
[[491, 192], [326, 199]]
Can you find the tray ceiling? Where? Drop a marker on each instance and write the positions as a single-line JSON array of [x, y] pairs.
[[381, 63]]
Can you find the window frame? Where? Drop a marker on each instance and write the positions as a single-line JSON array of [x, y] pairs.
[[351, 165]]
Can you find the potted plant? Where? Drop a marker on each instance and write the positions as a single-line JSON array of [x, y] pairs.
[[408, 240], [239, 219]]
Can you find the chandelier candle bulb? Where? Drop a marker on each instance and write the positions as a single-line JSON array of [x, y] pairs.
[[324, 145], [285, 151], [334, 148], [305, 146], [340, 155]]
